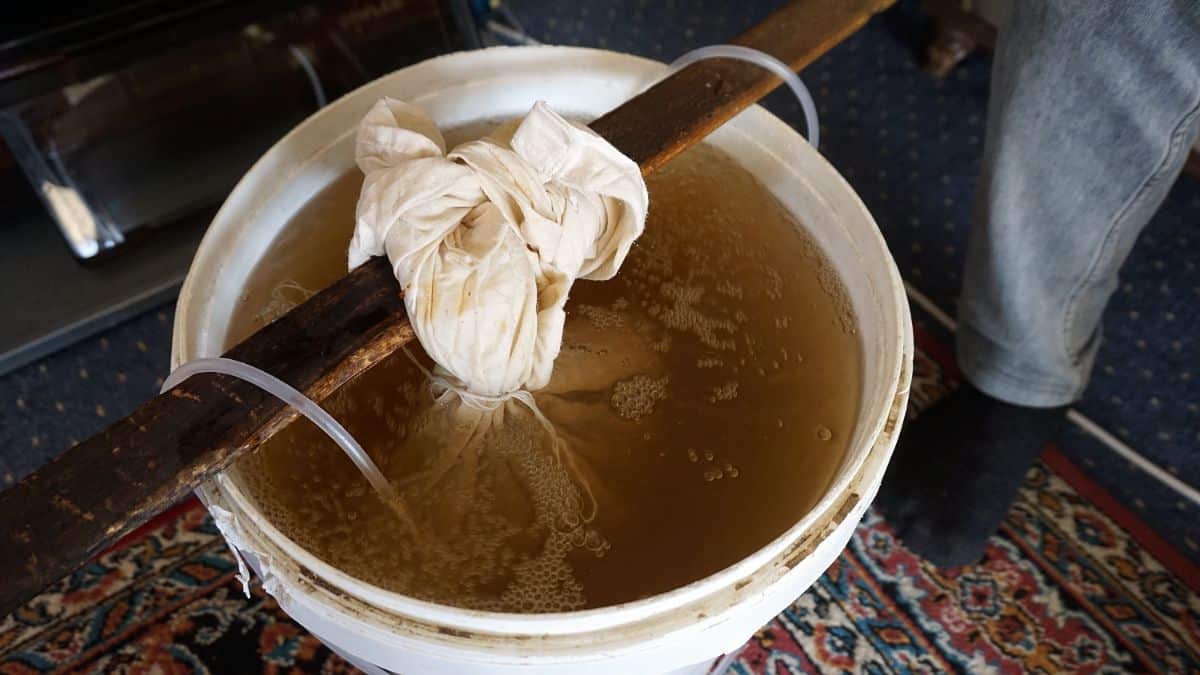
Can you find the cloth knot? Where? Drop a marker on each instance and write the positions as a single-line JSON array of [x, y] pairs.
[[487, 239]]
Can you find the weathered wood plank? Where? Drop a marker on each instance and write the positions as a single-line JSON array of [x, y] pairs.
[[62, 515]]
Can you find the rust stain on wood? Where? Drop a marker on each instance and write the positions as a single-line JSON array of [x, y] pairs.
[[179, 392], [65, 504]]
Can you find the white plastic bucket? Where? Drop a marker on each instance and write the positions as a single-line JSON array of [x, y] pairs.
[[681, 630]]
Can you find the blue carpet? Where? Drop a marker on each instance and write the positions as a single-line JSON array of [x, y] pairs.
[[910, 145]]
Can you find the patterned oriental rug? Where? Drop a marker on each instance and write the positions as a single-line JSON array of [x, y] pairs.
[[1073, 582]]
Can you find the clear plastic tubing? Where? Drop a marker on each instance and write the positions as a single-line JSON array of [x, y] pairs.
[[303, 405], [777, 68]]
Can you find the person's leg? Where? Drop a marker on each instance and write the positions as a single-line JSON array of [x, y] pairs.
[[1093, 111], [1094, 106]]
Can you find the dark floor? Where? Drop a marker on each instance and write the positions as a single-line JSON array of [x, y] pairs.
[[909, 143]]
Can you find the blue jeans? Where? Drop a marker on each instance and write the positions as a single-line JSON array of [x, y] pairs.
[[1092, 114]]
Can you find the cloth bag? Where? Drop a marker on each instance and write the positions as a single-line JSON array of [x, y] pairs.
[[486, 240]]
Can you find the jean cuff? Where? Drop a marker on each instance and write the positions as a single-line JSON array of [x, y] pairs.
[[1000, 374]]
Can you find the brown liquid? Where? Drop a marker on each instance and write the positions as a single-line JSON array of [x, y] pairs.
[[703, 398]]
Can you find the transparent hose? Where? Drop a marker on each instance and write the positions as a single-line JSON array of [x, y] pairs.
[[313, 79], [777, 67], [305, 406]]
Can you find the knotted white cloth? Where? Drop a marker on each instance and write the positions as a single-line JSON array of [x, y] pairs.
[[486, 240]]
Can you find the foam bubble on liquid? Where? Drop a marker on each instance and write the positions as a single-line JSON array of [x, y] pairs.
[[773, 281], [663, 344], [725, 392], [636, 397], [684, 315], [546, 582], [715, 470], [728, 288], [602, 317], [474, 550]]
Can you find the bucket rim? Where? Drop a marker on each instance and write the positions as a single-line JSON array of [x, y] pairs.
[[880, 437]]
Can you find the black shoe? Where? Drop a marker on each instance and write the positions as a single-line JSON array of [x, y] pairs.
[[956, 471]]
